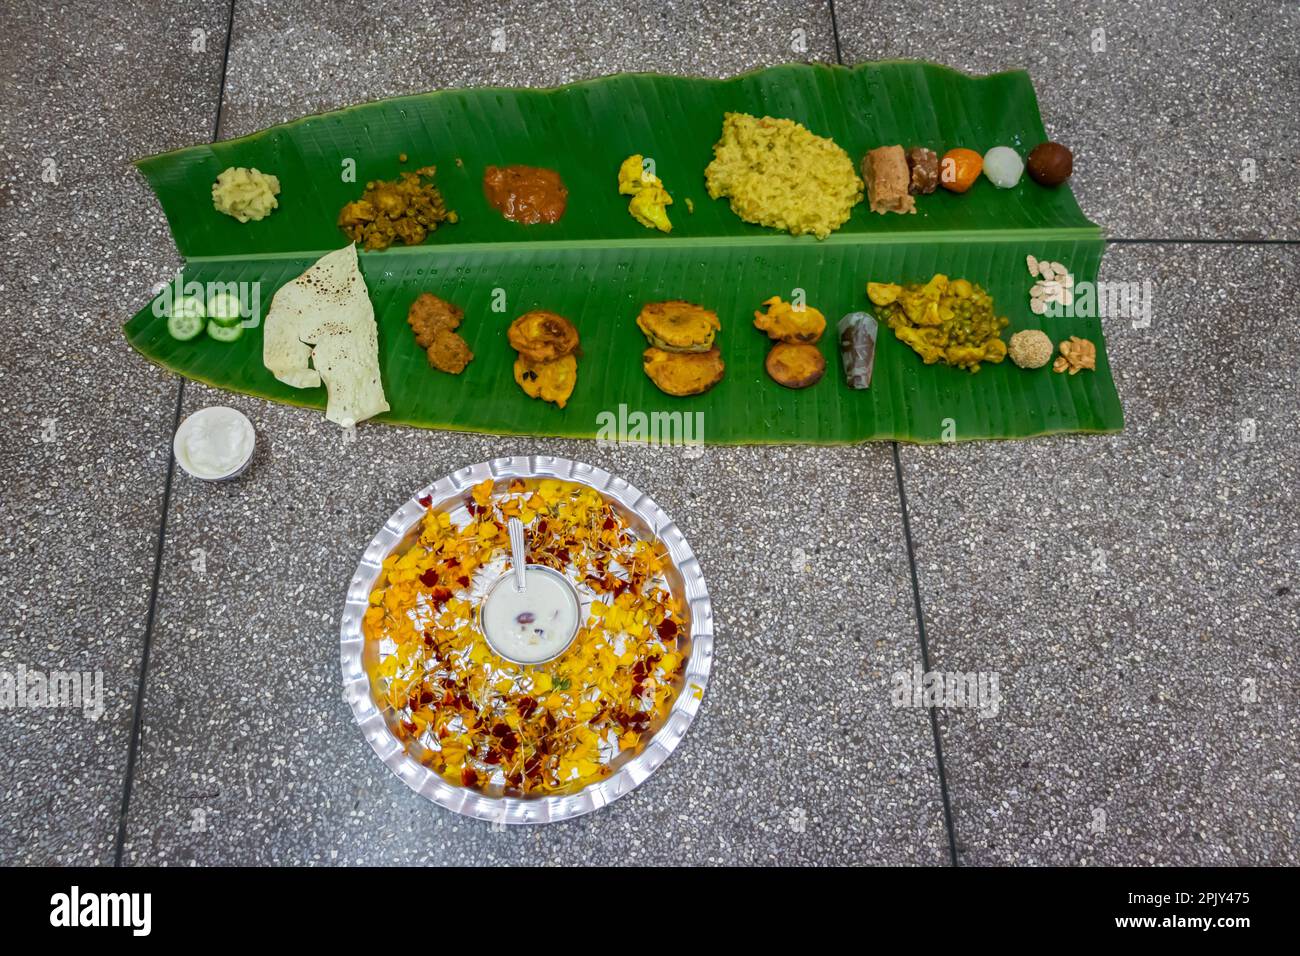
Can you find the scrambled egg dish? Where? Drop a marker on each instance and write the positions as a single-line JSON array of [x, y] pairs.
[[776, 173]]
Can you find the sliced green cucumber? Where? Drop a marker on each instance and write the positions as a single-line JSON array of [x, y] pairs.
[[184, 327], [224, 333], [224, 308], [189, 306]]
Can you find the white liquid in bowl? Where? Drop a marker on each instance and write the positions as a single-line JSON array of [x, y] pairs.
[[534, 625]]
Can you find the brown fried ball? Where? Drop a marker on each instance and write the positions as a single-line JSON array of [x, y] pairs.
[[795, 364], [683, 373], [429, 315], [542, 336]]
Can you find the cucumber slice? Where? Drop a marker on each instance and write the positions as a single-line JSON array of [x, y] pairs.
[[224, 309], [184, 327], [224, 333], [190, 307]]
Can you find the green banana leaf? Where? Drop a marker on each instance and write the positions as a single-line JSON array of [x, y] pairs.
[[597, 266]]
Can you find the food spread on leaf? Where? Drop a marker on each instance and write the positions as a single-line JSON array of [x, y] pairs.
[[777, 173], [403, 210], [773, 171], [650, 200], [325, 317], [950, 322], [481, 721]]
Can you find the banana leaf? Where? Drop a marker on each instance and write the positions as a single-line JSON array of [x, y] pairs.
[[597, 265]]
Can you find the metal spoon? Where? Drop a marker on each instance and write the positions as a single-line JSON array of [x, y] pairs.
[[515, 527]]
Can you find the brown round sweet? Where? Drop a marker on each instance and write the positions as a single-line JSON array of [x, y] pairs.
[[795, 364], [1050, 164]]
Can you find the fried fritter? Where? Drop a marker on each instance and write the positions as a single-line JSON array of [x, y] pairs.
[[784, 323], [683, 373], [434, 322], [542, 336], [795, 364], [429, 315], [677, 326], [550, 381], [449, 352]]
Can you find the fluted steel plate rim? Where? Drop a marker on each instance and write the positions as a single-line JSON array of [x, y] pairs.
[[526, 810]]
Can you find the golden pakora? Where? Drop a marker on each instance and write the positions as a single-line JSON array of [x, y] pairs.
[[677, 326], [784, 322], [795, 364], [683, 373], [550, 381], [542, 336]]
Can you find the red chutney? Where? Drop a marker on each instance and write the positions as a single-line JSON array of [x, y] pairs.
[[526, 194]]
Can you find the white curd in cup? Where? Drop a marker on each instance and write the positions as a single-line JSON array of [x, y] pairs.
[[534, 625], [214, 443]]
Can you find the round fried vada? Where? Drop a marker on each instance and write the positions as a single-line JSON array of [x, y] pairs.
[[542, 336], [795, 364], [683, 373]]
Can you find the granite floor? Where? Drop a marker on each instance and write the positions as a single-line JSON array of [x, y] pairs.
[[1134, 596]]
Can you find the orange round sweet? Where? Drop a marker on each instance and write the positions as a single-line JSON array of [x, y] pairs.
[[959, 169]]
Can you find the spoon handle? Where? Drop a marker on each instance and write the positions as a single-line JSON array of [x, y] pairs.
[[516, 530]]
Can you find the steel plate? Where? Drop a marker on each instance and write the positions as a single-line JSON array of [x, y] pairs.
[[685, 580]]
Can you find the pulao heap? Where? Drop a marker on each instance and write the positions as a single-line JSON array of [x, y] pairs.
[[777, 173], [325, 316]]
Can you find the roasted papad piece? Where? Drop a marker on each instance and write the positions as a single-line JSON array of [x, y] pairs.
[[325, 317]]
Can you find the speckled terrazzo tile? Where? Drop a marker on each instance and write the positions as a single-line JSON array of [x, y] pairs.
[[287, 62], [1182, 115], [250, 753], [87, 422], [1137, 594]]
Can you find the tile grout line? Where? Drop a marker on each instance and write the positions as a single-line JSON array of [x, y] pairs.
[[835, 32], [916, 586], [925, 653], [137, 717]]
